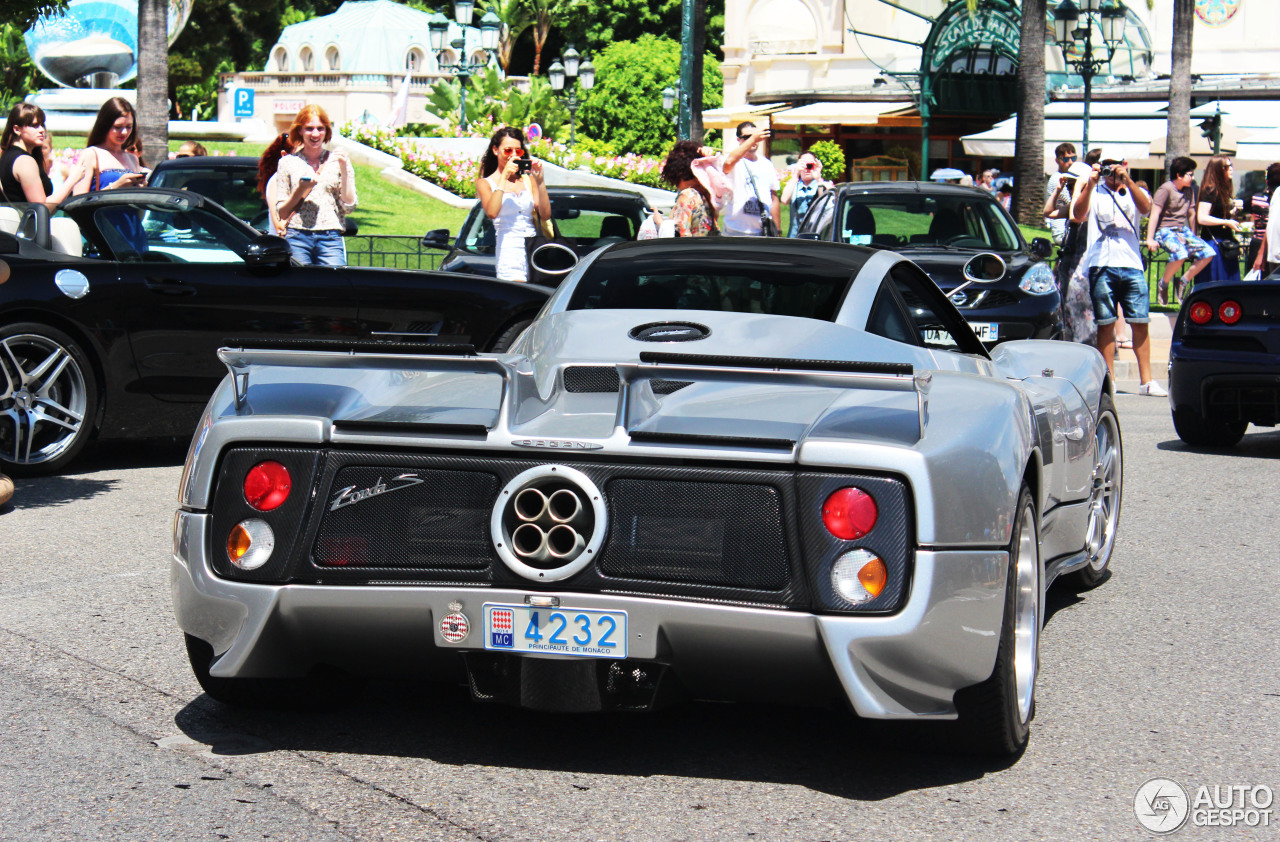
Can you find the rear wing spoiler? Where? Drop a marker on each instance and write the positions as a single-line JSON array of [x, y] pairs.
[[521, 400]]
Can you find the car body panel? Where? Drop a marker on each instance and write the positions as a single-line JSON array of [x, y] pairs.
[[796, 403], [152, 320], [1229, 371]]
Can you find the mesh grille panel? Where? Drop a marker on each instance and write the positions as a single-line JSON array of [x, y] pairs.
[[422, 519], [723, 534], [605, 379]]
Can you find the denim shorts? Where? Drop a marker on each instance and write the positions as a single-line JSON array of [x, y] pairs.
[[1112, 285], [1181, 243], [317, 248]]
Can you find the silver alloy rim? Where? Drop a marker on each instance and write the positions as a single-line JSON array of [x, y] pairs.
[[1104, 500], [1026, 614], [43, 399]]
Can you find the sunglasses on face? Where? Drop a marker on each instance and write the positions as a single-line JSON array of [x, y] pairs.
[[1071, 158], [512, 150]]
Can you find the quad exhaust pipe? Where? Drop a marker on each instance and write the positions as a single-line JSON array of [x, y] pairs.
[[548, 525]]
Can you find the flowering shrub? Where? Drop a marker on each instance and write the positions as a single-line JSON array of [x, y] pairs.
[[456, 173]]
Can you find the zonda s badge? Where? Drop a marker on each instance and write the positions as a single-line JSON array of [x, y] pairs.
[[558, 444], [349, 496]]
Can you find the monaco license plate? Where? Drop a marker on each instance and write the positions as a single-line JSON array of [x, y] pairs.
[[986, 331], [555, 631]]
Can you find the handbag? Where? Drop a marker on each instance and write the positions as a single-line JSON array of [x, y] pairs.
[[1228, 249]]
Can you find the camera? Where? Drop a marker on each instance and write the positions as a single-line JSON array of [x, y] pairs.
[[810, 166], [523, 165]]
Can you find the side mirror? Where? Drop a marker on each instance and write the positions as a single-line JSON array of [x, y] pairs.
[[1041, 248], [437, 239], [267, 250], [985, 268], [350, 227]]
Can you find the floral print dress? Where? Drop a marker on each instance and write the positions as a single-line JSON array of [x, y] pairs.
[[691, 215]]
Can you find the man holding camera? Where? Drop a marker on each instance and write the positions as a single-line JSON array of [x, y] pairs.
[[1112, 204], [754, 209]]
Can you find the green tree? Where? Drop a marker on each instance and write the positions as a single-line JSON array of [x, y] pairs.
[[595, 24], [625, 106], [23, 13], [515, 18], [18, 76], [832, 158], [492, 101]]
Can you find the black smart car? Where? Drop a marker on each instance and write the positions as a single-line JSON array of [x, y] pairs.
[[940, 227], [587, 217]]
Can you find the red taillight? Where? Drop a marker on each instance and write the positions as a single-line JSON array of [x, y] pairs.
[[1230, 312], [267, 486], [849, 513], [1201, 312]]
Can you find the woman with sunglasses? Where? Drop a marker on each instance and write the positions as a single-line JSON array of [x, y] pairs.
[[510, 192], [23, 176]]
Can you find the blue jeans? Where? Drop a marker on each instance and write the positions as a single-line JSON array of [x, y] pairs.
[[1112, 285], [317, 248]]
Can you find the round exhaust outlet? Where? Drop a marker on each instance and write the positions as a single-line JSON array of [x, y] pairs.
[[548, 523]]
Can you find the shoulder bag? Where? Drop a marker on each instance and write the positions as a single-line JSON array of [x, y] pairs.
[[756, 205]]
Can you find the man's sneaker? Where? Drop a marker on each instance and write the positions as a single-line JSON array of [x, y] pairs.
[[1153, 389]]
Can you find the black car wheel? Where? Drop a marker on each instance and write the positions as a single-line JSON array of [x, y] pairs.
[[1104, 498], [995, 716], [48, 399], [315, 692], [1199, 431], [509, 336]]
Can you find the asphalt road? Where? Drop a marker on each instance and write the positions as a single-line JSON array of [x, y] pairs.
[[1167, 670]]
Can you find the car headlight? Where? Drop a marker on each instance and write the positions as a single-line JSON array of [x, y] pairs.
[[1038, 280]]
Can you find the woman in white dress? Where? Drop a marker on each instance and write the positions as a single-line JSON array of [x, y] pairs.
[[509, 197]]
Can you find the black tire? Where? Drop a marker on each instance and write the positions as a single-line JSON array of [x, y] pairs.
[[509, 336], [1104, 498], [1199, 431], [48, 399], [314, 692], [995, 716]]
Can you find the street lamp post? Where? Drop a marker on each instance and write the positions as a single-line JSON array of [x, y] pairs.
[[464, 68], [1073, 27], [669, 97], [570, 66]]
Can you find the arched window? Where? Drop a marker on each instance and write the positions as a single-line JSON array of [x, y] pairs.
[[332, 58], [308, 59], [413, 60], [281, 58]]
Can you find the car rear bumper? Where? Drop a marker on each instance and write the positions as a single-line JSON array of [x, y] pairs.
[[1245, 387], [904, 665]]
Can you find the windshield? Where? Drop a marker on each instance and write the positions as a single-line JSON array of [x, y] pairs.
[[811, 290], [585, 222], [919, 220], [235, 189]]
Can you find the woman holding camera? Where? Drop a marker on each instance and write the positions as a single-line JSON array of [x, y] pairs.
[[511, 190], [802, 188], [315, 190]]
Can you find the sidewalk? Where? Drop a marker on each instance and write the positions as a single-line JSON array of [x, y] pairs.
[[1126, 365]]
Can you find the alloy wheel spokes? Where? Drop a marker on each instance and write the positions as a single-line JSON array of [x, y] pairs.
[[57, 360], [45, 403]]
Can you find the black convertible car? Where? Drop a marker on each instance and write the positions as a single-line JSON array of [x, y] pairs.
[[587, 218], [1224, 362], [939, 227], [113, 310]]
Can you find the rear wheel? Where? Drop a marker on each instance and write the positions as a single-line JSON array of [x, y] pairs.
[[1104, 498], [48, 399], [1201, 431], [312, 692], [995, 716], [509, 336]]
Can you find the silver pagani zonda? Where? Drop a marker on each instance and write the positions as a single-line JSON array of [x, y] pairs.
[[718, 469]]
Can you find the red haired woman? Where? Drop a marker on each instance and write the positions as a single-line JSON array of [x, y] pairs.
[[315, 189]]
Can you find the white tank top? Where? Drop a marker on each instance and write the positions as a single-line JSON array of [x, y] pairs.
[[512, 226]]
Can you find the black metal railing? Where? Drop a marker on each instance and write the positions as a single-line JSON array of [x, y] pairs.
[[392, 251]]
